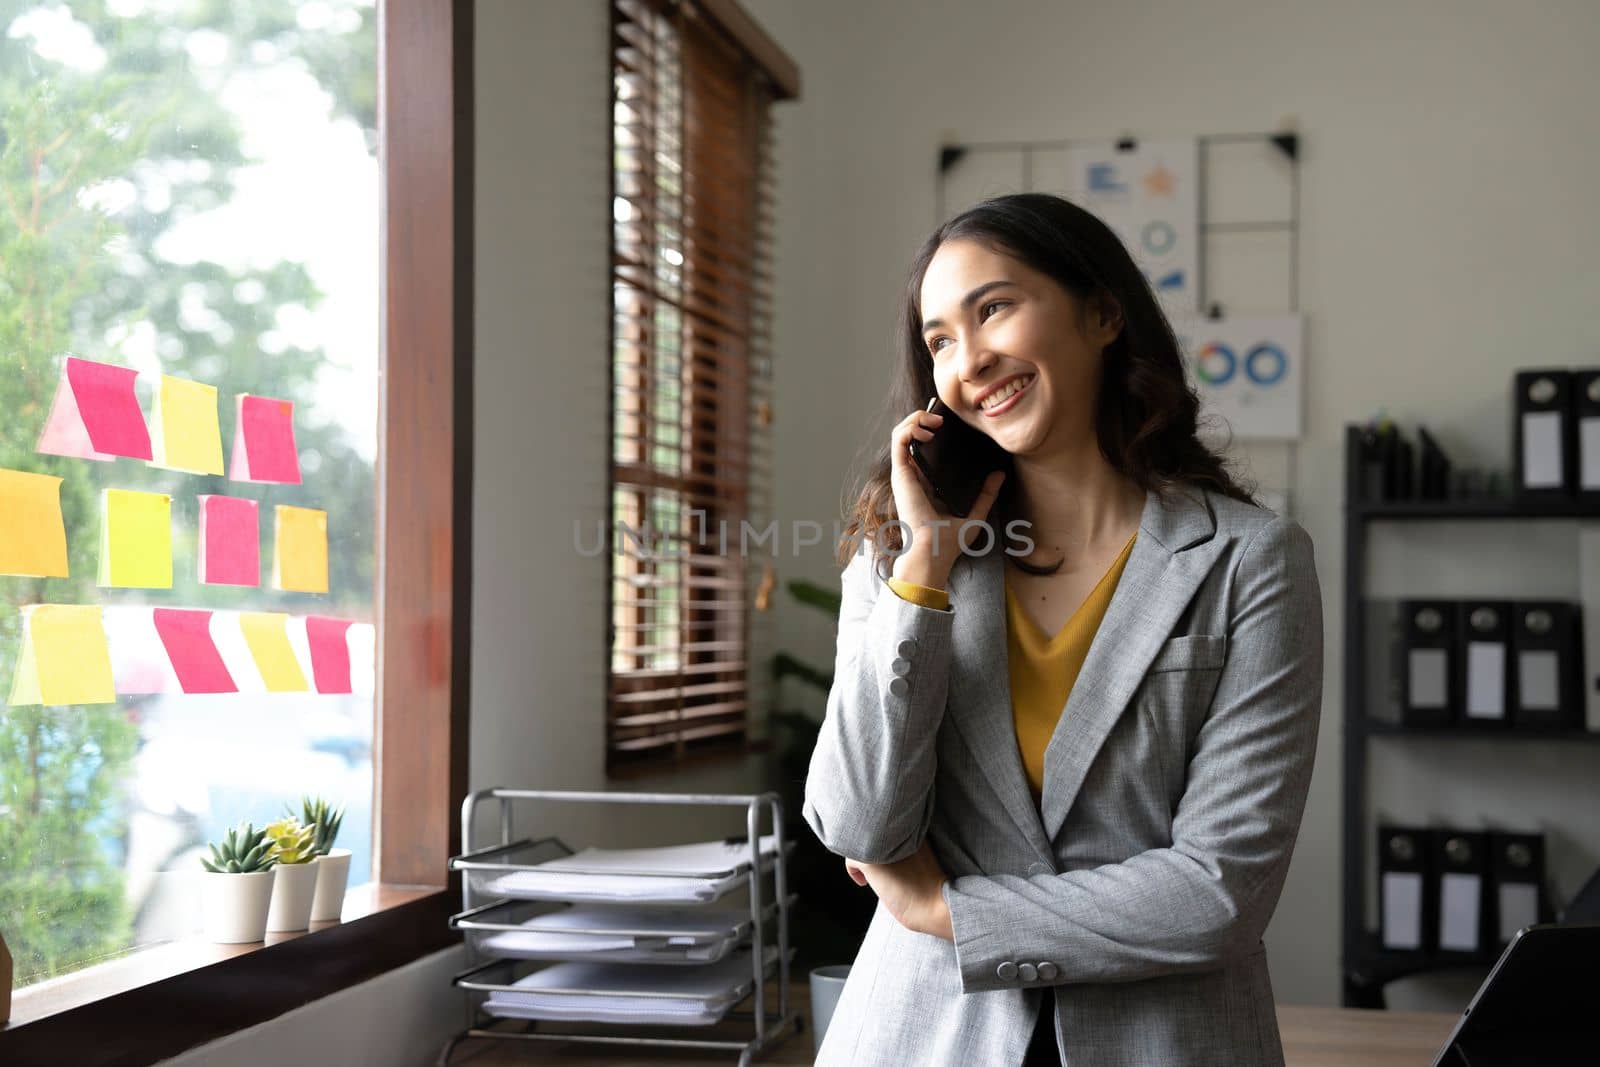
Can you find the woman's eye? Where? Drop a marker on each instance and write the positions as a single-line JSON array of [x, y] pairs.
[[934, 344]]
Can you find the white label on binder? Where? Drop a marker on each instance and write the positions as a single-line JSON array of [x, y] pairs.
[[1589, 453], [1402, 909], [1426, 687], [1541, 450], [1536, 681], [1519, 907], [1486, 680], [1458, 911]]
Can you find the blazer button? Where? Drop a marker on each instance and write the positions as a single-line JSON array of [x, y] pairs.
[[1047, 970], [1006, 972], [1037, 868], [899, 687], [901, 666], [1028, 972], [907, 647]]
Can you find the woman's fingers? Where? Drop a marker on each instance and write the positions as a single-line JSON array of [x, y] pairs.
[[912, 494], [919, 425], [987, 496], [980, 507]]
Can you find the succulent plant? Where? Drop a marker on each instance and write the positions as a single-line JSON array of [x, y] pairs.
[[291, 842], [323, 819], [245, 850]]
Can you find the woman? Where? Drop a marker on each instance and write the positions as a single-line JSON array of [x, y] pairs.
[[1069, 754]]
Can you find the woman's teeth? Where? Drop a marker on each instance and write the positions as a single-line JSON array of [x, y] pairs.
[[1011, 387]]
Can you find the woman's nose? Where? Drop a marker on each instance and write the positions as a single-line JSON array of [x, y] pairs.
[[975, 359]]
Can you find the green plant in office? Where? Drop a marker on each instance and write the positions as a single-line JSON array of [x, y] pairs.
[[333, 868], [245, 850], [237, 890], [324, 821], [298, 871], [291, 842]]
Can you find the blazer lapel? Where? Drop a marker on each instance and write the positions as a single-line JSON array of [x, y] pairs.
[[980, 689], [1172, 555]]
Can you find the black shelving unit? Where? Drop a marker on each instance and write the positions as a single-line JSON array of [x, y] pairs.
[[1366, 966]]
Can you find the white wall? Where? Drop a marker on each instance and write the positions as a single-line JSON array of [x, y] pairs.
[[542, 350], [1450, 157], [399, 1018]]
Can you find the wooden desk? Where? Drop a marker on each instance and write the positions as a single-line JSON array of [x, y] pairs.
[[1312, 1037]]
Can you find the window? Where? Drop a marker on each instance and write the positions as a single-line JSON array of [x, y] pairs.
[[692, 87], [190, 192]]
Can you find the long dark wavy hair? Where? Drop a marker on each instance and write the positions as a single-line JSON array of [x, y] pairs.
[[1147, 412]]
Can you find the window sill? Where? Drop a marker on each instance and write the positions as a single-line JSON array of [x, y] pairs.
[[140, 1008]]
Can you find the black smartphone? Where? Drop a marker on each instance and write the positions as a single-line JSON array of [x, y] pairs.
[[957, 459]]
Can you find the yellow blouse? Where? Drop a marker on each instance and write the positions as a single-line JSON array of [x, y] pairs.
[[1043, 668]]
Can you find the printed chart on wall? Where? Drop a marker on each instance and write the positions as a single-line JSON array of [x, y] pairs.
[[1148, 193], [1249, 371]]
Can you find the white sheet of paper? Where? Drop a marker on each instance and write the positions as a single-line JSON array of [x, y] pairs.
[[1541, 450], [1589, 453], [1426, 686], [1402, 909], [1519, 907], [1460, 896], [1537, 688], [1486, 680]]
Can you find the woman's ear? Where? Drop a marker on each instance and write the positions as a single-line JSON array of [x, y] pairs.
[[1106, 316]]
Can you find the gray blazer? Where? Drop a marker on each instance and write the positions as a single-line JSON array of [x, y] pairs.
[[1173, 790]]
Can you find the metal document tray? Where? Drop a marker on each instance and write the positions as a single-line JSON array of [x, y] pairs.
[[482, 924], [501, 976], [485, 869]]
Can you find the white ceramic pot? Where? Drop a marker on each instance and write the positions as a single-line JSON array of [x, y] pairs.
[[235, 906], [333, 872], [292, 895]]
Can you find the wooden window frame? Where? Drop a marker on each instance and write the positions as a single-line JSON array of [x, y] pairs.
[[145, 1011]]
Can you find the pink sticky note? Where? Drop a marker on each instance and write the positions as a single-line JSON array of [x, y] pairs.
[[263, 441], [230, 541], [330, 653], [187, 637], [95, 414]]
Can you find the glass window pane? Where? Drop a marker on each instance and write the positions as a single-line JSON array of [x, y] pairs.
[[187, 189]]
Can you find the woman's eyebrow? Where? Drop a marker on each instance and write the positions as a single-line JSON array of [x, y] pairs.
[[967, 301]]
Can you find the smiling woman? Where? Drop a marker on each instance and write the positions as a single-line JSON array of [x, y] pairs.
[[1074, 785]]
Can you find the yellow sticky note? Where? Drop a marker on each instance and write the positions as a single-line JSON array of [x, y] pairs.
[[135, 539], [267, 635], [33, 539], [184, 432], [300, 560], [65, 658]]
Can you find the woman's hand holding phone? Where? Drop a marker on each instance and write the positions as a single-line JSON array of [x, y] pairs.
[[924, 561]]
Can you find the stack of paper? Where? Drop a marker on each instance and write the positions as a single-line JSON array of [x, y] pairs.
[[706, 934], [672, 874], [703, 994]]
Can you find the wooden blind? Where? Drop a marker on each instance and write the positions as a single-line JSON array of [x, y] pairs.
[[691, 384]]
